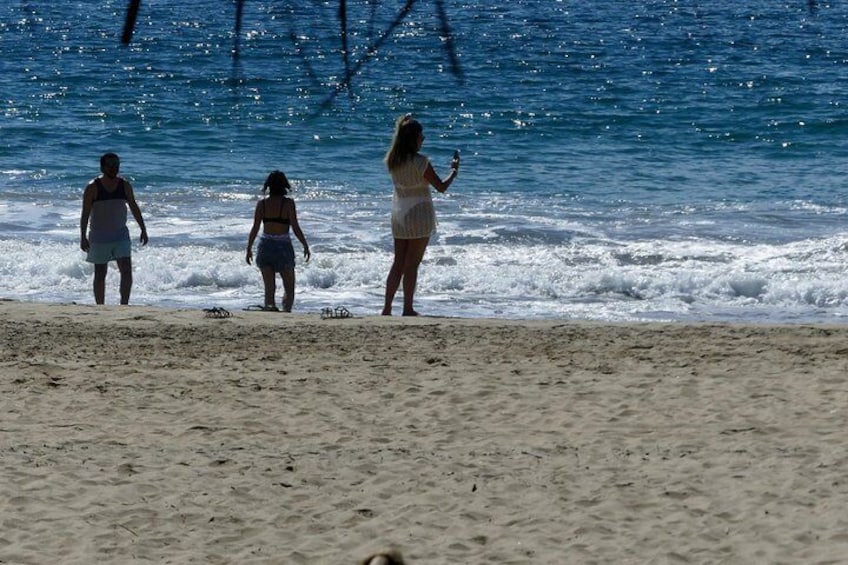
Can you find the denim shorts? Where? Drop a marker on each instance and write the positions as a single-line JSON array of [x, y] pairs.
[[275, 253], [100, 253]]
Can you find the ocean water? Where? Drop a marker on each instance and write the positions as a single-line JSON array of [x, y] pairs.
[[622, 160]]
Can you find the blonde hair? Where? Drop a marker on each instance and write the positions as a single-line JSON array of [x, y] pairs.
[[404, 141]]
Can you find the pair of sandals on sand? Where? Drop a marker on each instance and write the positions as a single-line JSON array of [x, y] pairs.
[[217, 312], [339, 312]]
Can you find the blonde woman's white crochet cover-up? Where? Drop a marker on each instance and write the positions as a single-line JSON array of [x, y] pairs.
[[413, 215]]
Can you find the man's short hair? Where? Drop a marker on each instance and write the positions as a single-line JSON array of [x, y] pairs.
[[109, 157]]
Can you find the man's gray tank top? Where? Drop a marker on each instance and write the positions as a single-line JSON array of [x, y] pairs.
[[109, 214]]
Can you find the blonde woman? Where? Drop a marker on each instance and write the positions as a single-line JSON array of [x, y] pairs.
[[413, 216]]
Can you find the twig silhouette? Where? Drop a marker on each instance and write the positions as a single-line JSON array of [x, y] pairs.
[[237, 34], [310, 72], [129, 24], [448, 35], [372, 50], [350, 69], [345, 52]]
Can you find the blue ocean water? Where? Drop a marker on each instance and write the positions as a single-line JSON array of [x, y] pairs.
[[622, 160]]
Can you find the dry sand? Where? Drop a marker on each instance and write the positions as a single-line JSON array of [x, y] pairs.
[[136, 434]]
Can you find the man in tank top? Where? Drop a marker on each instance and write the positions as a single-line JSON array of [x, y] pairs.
[[104, 215]]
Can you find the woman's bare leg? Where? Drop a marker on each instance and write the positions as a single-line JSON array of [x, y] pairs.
[[268, 278], [395, 274], [414, 255], [288, 289]]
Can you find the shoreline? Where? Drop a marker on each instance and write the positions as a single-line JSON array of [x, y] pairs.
[[191, 312], [154, 433]]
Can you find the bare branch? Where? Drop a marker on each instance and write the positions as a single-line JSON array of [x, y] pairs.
[[237, 39], [345, 52], [372, 50], [129, 24], [350, 69], [449, 45]]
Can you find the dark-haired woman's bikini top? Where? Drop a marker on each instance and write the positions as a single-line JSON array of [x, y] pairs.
[[278, 220]]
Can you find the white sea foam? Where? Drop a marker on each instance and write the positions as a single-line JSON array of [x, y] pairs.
[[626, 192], [605, 280]]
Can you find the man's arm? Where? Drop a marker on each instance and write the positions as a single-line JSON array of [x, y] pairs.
[[87, 201], [136, 211]]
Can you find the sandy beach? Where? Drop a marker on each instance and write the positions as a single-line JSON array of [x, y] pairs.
[[137, 434]]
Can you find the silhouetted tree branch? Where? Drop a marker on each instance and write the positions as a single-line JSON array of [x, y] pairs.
[[129, 24], [350, 70], [237, 40]]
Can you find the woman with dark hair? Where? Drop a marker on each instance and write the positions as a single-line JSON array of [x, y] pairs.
[[413, 216], [274, 253]]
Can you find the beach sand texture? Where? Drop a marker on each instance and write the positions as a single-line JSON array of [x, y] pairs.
[[136, 434]]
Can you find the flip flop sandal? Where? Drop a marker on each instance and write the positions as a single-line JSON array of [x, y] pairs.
[[217, 312], [338, 312]]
